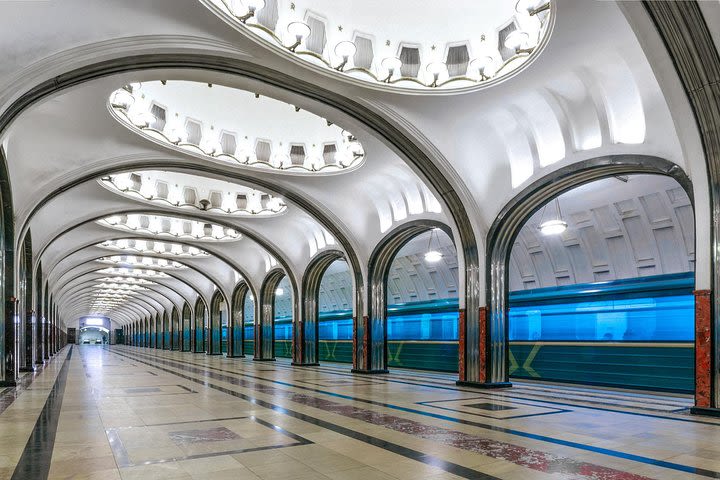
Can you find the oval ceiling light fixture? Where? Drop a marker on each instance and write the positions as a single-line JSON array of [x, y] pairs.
[[125, 280], [195, 193], [328, 37], [279, 291], [141, 261], [120, 286], [153, 247], [172, 227], [270, 135], [133, 272]]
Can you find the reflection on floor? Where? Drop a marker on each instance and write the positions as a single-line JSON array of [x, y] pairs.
[[132, 413]]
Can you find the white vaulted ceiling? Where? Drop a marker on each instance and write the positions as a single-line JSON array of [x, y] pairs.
[[586, 94]]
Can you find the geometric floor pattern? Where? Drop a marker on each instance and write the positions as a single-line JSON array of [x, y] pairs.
[[130, 413]]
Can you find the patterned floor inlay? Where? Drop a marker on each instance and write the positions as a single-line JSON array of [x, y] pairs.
[[199, 417], [493, 407], [155, 444], [516, 454], [217, 434]]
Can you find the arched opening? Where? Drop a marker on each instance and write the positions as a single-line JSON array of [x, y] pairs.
[[200, 325], [217, 338], [283, 319], [45, 320], [157, 329], [335, 315], [186, 327], [414, 270], [601, 282], [165, 331], [147, 332], [236, 334], [422, 304], [94, 335], [249, 325], [265, 329], [25, 334], [175, 329], [39, 347], [7, 277]]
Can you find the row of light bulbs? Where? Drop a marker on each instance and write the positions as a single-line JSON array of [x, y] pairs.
[[134, 272], [483, 67], [161, 248], [138, 113], [149, 191], [143, 261], [199, 230]]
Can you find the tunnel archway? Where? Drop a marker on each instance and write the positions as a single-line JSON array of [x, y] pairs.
[[186, 327], [265, 328], [283, 326], [601, 283], [335, 322], [507, 225], [378, 273], [249, 326], [236, 330], [217, 339], [200, 318]]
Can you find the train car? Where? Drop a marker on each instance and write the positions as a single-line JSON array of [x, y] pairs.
[[635, 333]]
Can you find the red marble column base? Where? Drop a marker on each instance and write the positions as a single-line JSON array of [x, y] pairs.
[[703, 350], [366, 352], [354, 343], [483, 354], [461, 346]]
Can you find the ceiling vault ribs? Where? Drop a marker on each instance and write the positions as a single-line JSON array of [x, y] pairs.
[[377, 123]]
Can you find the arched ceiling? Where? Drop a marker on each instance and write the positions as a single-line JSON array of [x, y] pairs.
[[587, 94]]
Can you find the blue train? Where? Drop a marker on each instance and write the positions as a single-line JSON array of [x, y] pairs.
[[635, 333]]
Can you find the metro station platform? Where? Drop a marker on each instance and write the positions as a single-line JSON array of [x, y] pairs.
[[118, 412]]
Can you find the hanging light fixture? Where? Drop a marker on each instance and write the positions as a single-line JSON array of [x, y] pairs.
[[433, 256], [279, 291], [554, 226]]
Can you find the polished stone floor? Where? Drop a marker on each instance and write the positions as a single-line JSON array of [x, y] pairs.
[[132, 413]]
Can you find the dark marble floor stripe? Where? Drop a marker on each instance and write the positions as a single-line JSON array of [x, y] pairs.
[[34, 463], [10, 394], [604, 451], [453, 468]]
